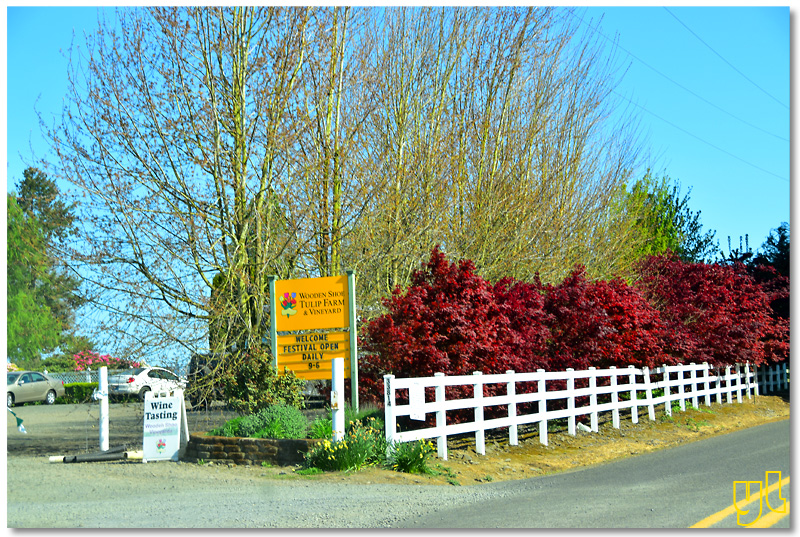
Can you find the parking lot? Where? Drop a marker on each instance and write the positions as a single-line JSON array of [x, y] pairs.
[[74, 429]]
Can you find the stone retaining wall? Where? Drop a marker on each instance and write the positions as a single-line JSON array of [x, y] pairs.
[[246, 451]]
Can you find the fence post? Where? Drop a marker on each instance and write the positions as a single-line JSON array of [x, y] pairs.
[[681, 392], [390, 420], [747, 383], [571, 402], [772, 383], [693, 378], [756, 388], [784, 377], [719, 389], [441, 419], [541, 388], [706, 384], [634, 398], [667, 401], [651, 412], [480, 440], [614, 398], [773, 378], [593, 398], [511, 391], [728, 384], [738, 383], [761, 387]]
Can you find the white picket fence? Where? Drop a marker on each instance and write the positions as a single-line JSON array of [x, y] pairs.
[[679, 383]]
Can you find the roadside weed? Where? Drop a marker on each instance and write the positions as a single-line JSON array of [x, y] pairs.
[[309, 471], [450, 477], [411, 457]]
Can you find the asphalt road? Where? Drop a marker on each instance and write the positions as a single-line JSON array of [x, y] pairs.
[[674, 488]]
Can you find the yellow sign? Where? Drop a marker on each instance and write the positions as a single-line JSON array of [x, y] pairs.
[[314, 343], [310, 367], [311, 304], [311, 356]]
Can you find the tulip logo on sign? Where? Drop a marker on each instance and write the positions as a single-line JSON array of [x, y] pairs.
[[288, 302], [161, 445]]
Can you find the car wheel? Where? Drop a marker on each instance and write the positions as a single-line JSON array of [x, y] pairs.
[[50, 398], [10, 399], [143, 392]]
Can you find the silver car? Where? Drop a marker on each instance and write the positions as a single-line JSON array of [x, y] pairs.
[[29, 386], [140, 380]]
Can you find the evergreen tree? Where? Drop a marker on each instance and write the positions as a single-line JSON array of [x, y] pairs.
[[32, 326], [775, 250], [42, 296]]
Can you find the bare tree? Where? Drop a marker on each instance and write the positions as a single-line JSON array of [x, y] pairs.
[[176, 134], [215, 147]]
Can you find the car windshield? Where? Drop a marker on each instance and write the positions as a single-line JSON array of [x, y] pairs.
[[131, 372], [12, 377]]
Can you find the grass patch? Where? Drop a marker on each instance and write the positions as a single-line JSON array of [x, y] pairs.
[[309, 471]]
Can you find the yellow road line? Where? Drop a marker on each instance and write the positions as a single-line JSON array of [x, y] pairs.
[[769, 520], [728, 511]]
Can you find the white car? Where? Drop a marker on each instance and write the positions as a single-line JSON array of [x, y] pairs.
[[140, 380]]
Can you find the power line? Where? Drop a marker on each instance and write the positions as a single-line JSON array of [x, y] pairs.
[[726, 61], [629, 53], [702, 140]]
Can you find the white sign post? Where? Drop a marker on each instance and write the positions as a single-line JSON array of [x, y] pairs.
[[163, 417], [337, 399], [102, 394]]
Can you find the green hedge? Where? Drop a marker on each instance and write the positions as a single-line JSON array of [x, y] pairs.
[[77, 392]]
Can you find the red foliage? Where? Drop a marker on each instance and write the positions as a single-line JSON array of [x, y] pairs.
[[452, 321], [603, 324], [720, 313], [448, 321]]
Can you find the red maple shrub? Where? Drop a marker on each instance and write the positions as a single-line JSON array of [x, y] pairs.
[[452, 321], [447, 321], [603, 324], [718, 312]]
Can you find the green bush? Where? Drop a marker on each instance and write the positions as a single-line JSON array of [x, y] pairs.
[[320, 428], [277, 421], [230, 429], [250, 383], [77, 392]]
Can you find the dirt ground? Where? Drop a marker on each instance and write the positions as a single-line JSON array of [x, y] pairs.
[[72, 429]]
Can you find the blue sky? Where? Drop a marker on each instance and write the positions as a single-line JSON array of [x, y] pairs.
[[712, 85]]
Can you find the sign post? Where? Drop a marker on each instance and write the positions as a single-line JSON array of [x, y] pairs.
[[337, 399], [351, 293], [102, 395]]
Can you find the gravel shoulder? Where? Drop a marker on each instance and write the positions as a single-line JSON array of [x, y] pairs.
[[122, 494]]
